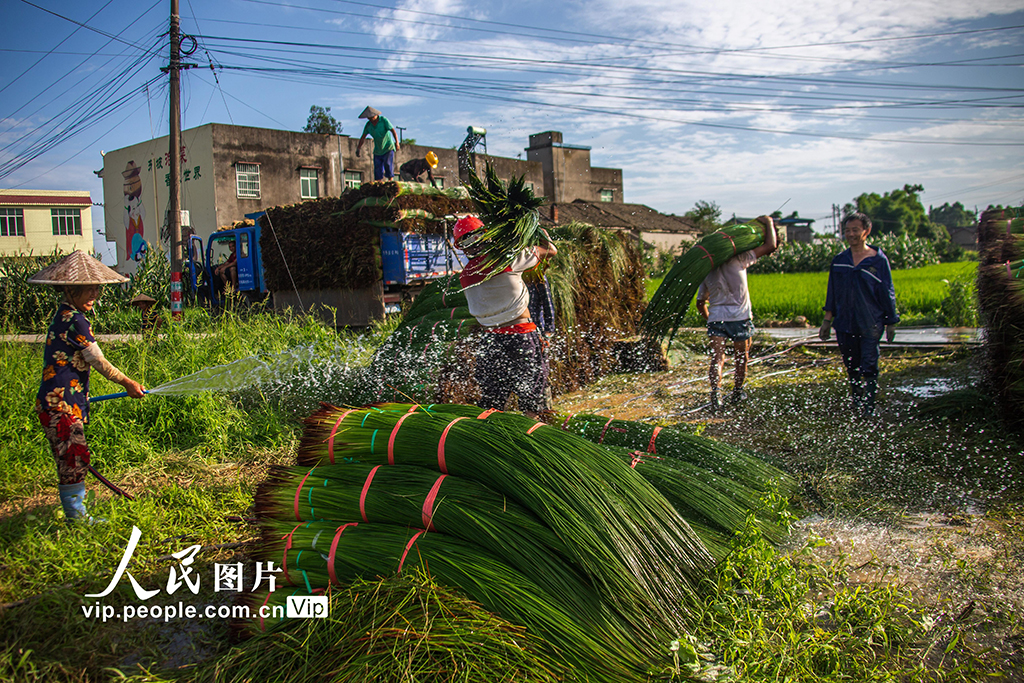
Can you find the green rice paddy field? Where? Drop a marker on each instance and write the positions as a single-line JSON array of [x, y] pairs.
[[783, 296]]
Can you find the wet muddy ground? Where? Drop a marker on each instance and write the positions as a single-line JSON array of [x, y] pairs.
[[928, 494]]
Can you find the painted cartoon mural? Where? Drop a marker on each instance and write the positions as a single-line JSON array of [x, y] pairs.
[[134, 214]]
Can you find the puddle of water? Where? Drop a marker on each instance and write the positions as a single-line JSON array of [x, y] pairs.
[[930, 388], [904, 335]]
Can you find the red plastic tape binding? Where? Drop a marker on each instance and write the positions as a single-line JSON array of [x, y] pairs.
[[708, 256], [428, 504], [534, 427], [287, 538], [407, 547], [391, 441], [440, 445], [334, 549], [605, 430], [654, 435], [362, 495], [297, 492]]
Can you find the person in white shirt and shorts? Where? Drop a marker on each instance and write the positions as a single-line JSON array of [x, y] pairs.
[[724, 301]]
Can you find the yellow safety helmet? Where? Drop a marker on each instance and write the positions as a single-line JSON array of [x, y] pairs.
[[432, 159]]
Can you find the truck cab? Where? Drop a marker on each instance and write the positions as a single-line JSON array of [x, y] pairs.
[[201, 264]]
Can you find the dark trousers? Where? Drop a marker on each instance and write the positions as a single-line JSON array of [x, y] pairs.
[[860, 356], [384, 165], [512, 364]]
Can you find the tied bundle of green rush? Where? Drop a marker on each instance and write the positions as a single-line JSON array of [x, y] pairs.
[[318, 555], [634, 547], [668, 306], [397, 629], [510, 218], [712, 455], [705, 500], [416, 497]]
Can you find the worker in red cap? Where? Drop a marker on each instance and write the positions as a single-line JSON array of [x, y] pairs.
[[511, 354]]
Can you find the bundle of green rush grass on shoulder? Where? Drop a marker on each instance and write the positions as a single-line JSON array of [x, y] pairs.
[[670, 302], [510, 218]]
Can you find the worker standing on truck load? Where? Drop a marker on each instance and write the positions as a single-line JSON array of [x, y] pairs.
[[385, 143], [411, 170], [62, 402], [861, 303], [511, 354], [723, 300]]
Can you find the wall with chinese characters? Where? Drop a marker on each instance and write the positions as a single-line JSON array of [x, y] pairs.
[[136, 194]]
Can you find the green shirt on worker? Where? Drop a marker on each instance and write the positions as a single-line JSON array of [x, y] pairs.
[[383, 140]]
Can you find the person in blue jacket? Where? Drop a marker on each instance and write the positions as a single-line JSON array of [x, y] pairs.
[[861, 305]]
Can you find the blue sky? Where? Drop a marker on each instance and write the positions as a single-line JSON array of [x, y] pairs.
[[752, 105]]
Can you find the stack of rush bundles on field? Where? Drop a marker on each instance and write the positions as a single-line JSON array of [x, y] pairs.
[[547, 529], [1001, 297]]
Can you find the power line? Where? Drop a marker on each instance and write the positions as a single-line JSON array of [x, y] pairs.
[[66, 39]]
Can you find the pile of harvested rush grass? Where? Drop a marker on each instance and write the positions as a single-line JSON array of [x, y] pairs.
[[1001, 299], [552, 532], [584, 544], [597, 284], [334, 242]]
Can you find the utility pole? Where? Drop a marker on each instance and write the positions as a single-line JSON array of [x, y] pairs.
[[174, 69], [835, 218]]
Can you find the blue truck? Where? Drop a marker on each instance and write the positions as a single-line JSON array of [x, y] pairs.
[[408, 260]]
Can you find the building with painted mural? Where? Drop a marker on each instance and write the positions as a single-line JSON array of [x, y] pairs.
[[41, 221], [230, 171]]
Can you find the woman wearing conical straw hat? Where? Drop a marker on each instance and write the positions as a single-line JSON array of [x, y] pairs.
[[71, 350]]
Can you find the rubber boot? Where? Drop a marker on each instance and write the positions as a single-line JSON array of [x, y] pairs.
[[870, 389], [72, 498], [857, 392]]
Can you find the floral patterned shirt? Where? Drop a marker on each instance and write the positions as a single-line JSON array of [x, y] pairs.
[[65, 386]]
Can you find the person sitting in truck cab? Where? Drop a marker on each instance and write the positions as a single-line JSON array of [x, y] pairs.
[[227, 272], [411, 170]]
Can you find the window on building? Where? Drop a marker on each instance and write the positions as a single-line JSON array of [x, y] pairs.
[[12, 222], [607, 195], [247, 180], [529, 186], [353, 179], [439, 182], [66, 221], [309, 180]]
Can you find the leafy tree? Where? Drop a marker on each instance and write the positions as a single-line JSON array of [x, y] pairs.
[[899, 212], [321, 121], [705, 216], [952, 215], [409, 141]]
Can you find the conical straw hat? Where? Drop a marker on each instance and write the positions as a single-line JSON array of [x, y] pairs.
[[143, 299], [77, 268], [369, 113]]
